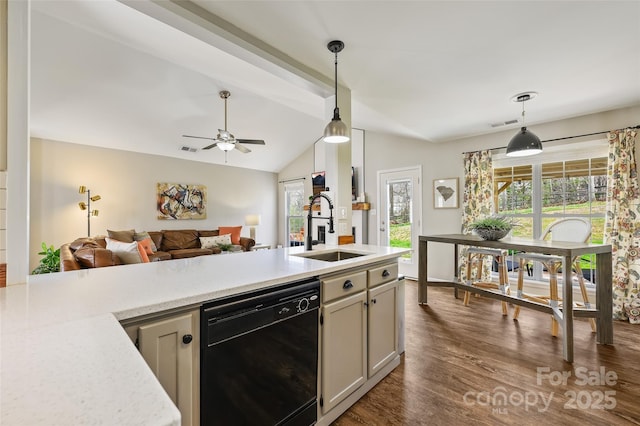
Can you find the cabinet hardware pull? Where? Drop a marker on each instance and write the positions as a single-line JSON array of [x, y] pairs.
[[385, 273], [373, 301], [366, 304], [347, 285], [187, 338]]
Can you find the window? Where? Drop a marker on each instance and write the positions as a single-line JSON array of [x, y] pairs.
[[552, 188], [294, 213]]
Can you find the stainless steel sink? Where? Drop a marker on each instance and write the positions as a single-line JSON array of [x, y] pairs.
[[330, 256]]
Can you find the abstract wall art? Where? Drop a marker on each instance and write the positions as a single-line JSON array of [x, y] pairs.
[[181, 201]]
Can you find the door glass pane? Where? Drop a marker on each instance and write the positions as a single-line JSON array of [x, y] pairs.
[[294, 208], [399, 214]]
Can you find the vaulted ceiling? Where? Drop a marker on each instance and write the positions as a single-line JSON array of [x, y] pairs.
[[136, 75]]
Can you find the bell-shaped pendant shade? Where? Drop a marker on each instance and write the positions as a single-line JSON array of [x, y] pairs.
[[336, 131], [524, 143]]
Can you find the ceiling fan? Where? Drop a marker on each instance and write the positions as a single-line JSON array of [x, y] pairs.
[[225, 140]]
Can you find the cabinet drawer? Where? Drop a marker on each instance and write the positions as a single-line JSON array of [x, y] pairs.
[[343, 285], [383, 274]]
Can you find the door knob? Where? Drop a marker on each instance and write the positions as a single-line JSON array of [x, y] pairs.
[[187, 338]]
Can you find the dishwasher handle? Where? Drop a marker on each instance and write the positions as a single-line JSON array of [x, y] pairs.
[[221, 329]]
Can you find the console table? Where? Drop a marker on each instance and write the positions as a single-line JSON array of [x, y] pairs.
[[603, 312]]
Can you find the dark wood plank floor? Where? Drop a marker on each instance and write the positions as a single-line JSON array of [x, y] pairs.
[[471, 365]]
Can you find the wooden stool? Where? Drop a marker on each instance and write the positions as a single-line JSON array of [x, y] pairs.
[[553, 264], [478, 254]]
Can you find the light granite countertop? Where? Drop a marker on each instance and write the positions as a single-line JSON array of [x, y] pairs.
[[65, 359]]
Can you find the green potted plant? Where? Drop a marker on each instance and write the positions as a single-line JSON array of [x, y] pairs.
[[225, 247], [493, 228], [50, 261]]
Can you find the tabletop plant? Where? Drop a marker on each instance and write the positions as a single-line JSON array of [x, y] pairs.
[[493, 227], [50, 261], [225, 247]]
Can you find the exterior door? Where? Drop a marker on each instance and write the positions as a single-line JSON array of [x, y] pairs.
[[399, 219], [294, 214]]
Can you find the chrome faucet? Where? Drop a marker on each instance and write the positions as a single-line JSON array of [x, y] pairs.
[[310, 216]]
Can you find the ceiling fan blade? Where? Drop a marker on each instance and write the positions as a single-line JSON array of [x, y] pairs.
[[251, 141], [243, 149], [210, 146], [198, 137]]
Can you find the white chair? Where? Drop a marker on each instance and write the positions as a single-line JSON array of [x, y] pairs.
[[571, 229]]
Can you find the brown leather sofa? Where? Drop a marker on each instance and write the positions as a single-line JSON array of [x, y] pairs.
[[86, 253]]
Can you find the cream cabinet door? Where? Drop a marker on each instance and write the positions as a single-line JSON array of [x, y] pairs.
[[344, 348], [383, 329], [171, 348]]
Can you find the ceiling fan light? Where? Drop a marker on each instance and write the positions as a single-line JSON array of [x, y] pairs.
[[225, 146], [523, 144], [336, 131]]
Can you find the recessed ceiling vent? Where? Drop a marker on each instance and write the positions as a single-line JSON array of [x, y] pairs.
[[188, 149], [504, 123]]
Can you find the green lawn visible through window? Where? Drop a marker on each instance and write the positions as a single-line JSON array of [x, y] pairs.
[[524, 229], [400, 236]]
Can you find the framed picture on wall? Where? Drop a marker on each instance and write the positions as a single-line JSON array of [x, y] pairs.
[[445, 193], [181, 201]]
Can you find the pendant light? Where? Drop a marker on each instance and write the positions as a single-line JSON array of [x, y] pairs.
[[336, 131], [524, 143]]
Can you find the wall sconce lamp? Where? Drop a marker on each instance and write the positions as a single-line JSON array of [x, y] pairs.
[[252, 220], [87, 206]]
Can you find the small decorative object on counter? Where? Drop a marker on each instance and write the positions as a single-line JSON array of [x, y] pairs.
[[493, 228]]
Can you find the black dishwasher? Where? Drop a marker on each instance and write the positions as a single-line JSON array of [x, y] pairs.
[[259, 357]]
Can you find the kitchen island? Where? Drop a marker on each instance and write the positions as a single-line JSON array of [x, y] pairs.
[[65, 359]]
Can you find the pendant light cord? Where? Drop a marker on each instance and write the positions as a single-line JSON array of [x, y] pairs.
[[335, 79], [225, 122]]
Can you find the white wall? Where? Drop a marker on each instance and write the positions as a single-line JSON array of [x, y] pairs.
[[126, 181], [445, 160], [17, 161]]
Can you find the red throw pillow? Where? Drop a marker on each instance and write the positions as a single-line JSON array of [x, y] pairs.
[[233, 230]]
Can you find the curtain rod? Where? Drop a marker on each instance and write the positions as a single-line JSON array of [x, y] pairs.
[[560, 139], [292, 180]]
